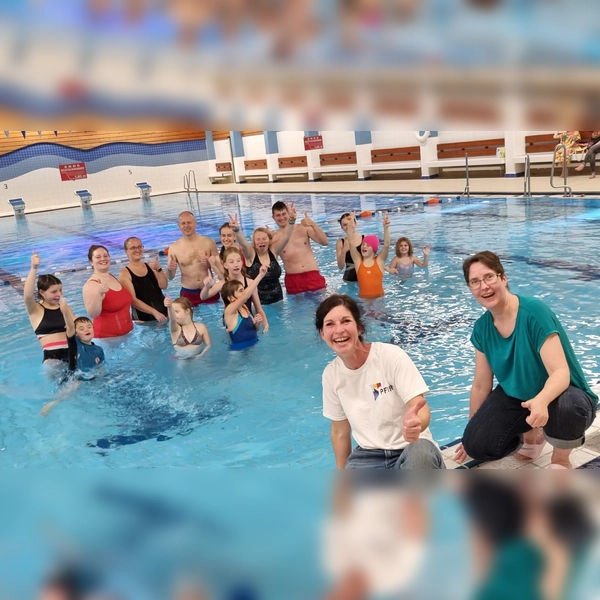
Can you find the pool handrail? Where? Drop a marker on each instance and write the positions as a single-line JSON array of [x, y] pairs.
[[567, 191]]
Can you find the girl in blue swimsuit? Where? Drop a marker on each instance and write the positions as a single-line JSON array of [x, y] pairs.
[[241, 325], [188, 337], [404, 261]]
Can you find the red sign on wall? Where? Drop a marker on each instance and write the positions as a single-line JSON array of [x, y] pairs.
[[72, 171], [313, 142]]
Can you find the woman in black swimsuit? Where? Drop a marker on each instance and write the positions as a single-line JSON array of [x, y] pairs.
[[265, 252], [342, 249]]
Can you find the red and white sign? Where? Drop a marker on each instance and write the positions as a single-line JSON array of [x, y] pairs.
[[313, 142], [72, 171]]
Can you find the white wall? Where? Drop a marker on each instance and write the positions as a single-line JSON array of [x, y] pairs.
[[291, 143], [43, 189], [337, 141], [222, 151], [468, 136], [393, 139], [254, 147]]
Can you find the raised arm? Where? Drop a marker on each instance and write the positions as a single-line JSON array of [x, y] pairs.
[[260, 311], [234, 306], [278, 246], [423, 264], [159, 273], [173, 327], [210, 288], [382, 257], [354, 253], [247, 249], [127, 283], [29, 288], [340, 253], [93, 295], [315, 233], [65, 309], [217, 266], [172, 264]]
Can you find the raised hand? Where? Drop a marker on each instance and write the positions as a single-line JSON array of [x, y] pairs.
[[262, 271], [351, 224], [233, 222], [386, 219], [291, 210], [35, 260], [204, 258], [427, 250], [102, 287], [411, 425], [154, 264], [212, 260], [168, 301], [208, 281], [63, 304], [307, 221], [172, 266]]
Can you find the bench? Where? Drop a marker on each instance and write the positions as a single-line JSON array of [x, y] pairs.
[[480, 153], [18, 206], [340, 162], [291, 166], [85, 196], [394, 159], [540, 148], [223, 170], [259, 166], [145, 189]]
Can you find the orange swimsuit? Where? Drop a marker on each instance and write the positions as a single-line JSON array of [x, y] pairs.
[[370, 281]]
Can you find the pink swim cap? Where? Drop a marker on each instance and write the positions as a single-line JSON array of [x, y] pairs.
[[373, 241]]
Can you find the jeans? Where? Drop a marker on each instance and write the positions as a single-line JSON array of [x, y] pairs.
[[496, 429], [421, 454], [590, 156]]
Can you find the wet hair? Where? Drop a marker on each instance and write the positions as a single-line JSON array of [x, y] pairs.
[[45, 282], [126, 242], [186, 305], [81, 320], [279, 205], [228, 290], [339, 300], [345, 215], [410, 246], [228, 252], [487, 258], [93, 249], [262, 230]]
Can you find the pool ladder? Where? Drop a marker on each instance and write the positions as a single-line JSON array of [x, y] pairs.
[[467, 191], [187, 182], [527, 178], [567, 191]]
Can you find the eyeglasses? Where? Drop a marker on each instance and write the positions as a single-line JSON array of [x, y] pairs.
[[135, 248], [490, 278]]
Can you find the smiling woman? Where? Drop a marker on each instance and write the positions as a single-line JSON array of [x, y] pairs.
[[375, 392], [105, 299]]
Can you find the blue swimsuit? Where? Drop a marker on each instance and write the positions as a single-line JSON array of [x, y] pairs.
[[244, 335]]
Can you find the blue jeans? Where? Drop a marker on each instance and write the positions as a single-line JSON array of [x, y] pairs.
[[496, 429], [421, 454]]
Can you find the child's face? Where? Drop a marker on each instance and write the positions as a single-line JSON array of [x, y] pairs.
[[403, 248], [52, 295], [233, 264], [85, 331], [237, 293], [182, 315]]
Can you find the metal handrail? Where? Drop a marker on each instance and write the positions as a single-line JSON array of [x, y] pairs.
[[467, 191], [567, 191], [527, 182], [187, 182]]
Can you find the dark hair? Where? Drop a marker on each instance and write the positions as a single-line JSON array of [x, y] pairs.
[[488, 258], [45, 282], [224, 226], [81, 320], [343, 217], [93, 249], [229, 288], [133, 237], [339, 300], [410, 246], [279, 205]]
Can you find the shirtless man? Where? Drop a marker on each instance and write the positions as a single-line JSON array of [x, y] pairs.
[[301, 269], [191, 253]]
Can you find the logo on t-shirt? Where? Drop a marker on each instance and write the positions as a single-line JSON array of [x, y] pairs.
[[377, 390]]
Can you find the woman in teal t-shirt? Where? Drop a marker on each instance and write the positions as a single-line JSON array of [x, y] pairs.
[[541, 396]]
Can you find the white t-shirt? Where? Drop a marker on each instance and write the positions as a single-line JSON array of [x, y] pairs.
[[373, 398]]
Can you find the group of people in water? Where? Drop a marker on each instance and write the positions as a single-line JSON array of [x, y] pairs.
[[371, 391]]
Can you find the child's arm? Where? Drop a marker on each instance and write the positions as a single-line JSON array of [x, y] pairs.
[[356, 257], [260, 311], [234, 306], [217, 266], [65, 309], [210, 288], [392, 268], [423, 264], [382, 258], [29, 287], [203, 330], [340, 254], [247, 249], [174, 328]]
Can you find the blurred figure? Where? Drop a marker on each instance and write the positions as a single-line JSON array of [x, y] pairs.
[[563, 157], [590, 155]]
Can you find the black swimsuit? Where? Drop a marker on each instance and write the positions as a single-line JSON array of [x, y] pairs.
[[147, 290], [269, 289], [350, 272], [53, 321]]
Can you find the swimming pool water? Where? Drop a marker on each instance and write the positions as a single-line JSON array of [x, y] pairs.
[[262, 407]]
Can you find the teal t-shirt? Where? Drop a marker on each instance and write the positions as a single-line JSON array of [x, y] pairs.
[[516, 360]]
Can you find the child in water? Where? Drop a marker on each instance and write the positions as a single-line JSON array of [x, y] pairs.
[[403, 263], [187, 336], [240, 323], [370, 265]]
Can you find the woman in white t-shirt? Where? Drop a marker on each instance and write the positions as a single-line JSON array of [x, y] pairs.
[[374, 392]]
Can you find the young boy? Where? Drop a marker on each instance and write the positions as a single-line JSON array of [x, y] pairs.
[[84, 355]]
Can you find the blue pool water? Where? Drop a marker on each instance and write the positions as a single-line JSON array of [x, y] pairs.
[[262, 407]]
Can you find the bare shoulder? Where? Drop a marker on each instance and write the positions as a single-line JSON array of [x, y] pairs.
[[124, 272]]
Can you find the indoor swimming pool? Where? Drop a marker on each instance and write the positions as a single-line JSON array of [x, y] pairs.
[[262, 407]]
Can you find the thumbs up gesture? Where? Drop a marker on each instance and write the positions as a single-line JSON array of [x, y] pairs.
[[155, 263], [411, 426], [35, 260]]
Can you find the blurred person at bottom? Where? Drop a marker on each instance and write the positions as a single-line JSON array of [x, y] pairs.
[[542, 394], [375, 392]]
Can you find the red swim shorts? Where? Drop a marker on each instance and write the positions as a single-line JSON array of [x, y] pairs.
[[311, 281], [194, 297]]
